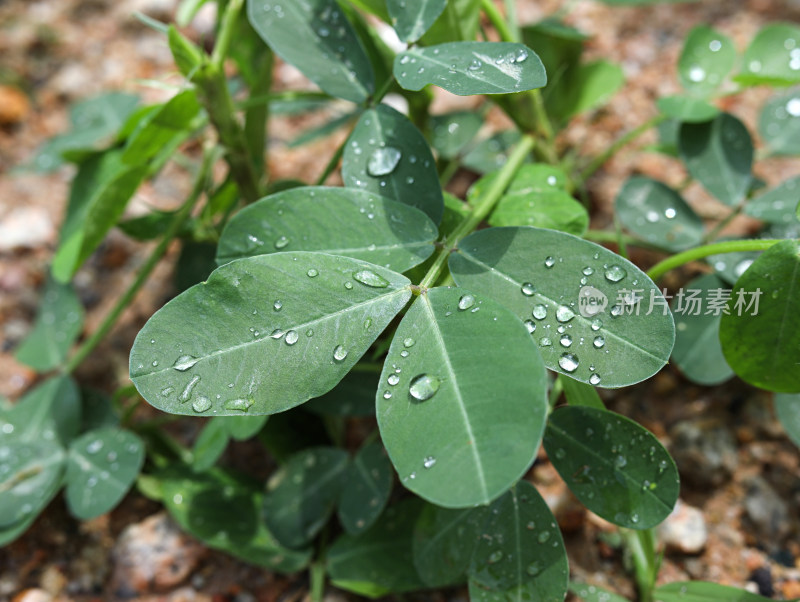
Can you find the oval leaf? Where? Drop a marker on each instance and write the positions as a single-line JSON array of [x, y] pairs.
[[466, 68], [302, 495], [658, 214], [339, 221], [29, 478], [452, 132], [262, 335], [555, 210], [687, 109], [211, 443], [102, 466], [617, 329], [779, 123], [759, 334], [451, 438], [387, 155], [521, 554], [366, 489], [697, 350], [616, 468], [719, 154], [777, 206], [50, 411], [412, 18], [707, 57], [316, 37], [773, 57]]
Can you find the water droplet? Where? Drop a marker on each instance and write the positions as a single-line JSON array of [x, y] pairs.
[[277, 333], [201, 404], [387, 394], [424, 386], [528, 289], [697, 74], [543, 536], [495, 556], [281, 242], [588, 271], [598, 342], [714, 45], [404, 353], [186, 394], [95, 446], [565, 340], [348, 285], [568, 362], [670, 213], [531, 525], [165, 392], [277, 306], [409, 342], [429, 461], [597, 324], [291, 337], [549, 262], [339, 353], [539, 312], [238, 405], [561, 453], [615, 273], [393, 379], [465, 302], [545, 342], [793, 107], [564, 314], [530, 325], [370, 278], [383, 161], [474, 65], [522, 54], [620, 461], [184, 362], [533, 569], [651, 216], [312, 273]]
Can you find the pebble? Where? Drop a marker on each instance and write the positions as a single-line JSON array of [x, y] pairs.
[[705, 451], [684, 530], [33, 595], [153, 555], [29, 227], [14, 105], [768, 513]]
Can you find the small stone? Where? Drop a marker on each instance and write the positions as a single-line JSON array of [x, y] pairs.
[[767, 511], [684, 530], [29, 227], [14, 105], [704, 450], [33, 595]]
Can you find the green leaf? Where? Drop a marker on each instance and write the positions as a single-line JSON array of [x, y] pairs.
[[100, 192], [592, 85], [707, 57], [262, 336], [223, 510], [210, 443], [555, 210], [195, 264], [58, 324], [444, 540], [51, 411], [687, 109], [451, 438], [730, 266], [243, 428], [762, 348], [353, 396], [787, 409], [466, 68], [611, 337], [379, 561], [697, 350], [779, 123], [580, 394], [316, 37], [719, 155], [592, 593], [366, 488], [658, 214], [773, 57], [521, 555], [339, 221], [301, 496], [452, 132], [187, 55], [387, 155], [616, 468], [102, 466], [778, 204], [161, 127], [98, 410], [149, 226], [30, 477], [459, 21], [491, 153], [412, 18], [702, 591]]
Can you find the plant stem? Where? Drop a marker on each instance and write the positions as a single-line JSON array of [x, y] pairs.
[[174, 227], [511, 18], [285, 96], [334, 161], [642, 546], [498, 21], [728, 246], [481, 209], [600, 159], [225, 34], [448, 172]]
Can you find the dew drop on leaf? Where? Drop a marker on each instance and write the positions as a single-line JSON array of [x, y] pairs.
[[409, 342], [429, 462], [312, 273], [539, 312], [239, 405], [568, 362], [465, 302], [530, 325], [545, 342], [495, 556], [615, 273], [383, 161], [201, 404], [564, 314], [281, 242], [528, 289], [291, 337], [277, 333], [186, 394], [549, 262], [393, 379], [598, 342], [371, 279], [424, 386], [339, 353], [184, 362]]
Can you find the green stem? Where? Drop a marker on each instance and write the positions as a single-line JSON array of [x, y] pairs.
[[728, 246], [448, 172], [482, 208], [174, 227], [226, 30], [642, 546], [498, 21], [511, 18], [285, 96], [600, 159], [334, 161]]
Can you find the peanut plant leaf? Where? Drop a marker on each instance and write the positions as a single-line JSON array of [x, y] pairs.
[[616, 468], [555, 210], [592, 85], [778, 205], [98, 197], [387, 155], [466, 68], [302, 495], [779, 123], [211, 443], [264, 333], [759, 341], [30, 477], [491, 153], [580, 394], [242, 428], [697, 350], [592, 593], [379, 561], [787, 409], [687, 109], [658, 214], [51, 411], [366, 488], [451, 438], [453, 132], [730, 266], [224, 511], [353, 396], [444, 541], [338, 221], [719, 154], [706, 59], [412, 18], [703, 591], [58, 324], [773, 57], [101, 467], [595, 316], [316, 37], [521, 554], [459, 21]]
